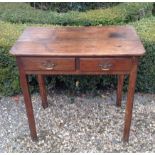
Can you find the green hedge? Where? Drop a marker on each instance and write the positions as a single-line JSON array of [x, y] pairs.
[[9, 83], [124, 12], [71, 6], [146, 73], [18, 13]]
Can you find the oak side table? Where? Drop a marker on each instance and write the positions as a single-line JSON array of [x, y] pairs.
[[78, 51]]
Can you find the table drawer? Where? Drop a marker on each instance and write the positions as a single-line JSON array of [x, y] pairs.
[[105, 64], [50, 64]]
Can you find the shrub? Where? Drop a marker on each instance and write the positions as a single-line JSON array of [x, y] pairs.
[[146, 72], [9, 80], [9, 83], [124, 12], [70, 6]]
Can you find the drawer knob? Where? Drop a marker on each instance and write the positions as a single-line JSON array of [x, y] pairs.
[[48, 65], [105, 67]]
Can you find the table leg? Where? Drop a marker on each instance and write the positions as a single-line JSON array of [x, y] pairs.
[[42, 89], [28, 105], [129, 105], [119, 90]]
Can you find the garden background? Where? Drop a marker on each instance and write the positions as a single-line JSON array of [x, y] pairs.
[[15, 17]]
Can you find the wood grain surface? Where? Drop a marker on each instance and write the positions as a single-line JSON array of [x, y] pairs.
[[79, 41]]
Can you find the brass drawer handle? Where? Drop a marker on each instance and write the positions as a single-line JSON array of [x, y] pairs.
[[105, 67], [48, 65]]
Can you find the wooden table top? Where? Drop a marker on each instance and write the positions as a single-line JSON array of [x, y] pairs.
[[79, 41]]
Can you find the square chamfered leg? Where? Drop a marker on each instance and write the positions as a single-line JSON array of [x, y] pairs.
[[119, 89], [42, 89], [28, 105], [130, 99]]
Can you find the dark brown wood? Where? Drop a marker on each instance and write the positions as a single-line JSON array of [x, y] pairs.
[[79, 41], [129, 105], [42, 89], [48, 63], [119, 89], [78, 51], [28, 104], [77, 72], [105, 64]]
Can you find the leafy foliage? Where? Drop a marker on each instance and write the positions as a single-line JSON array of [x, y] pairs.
[[146, 73], [9, 32], [124, 12], [71, 6]]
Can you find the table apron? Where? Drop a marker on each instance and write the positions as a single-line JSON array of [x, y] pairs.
[[76, 65], [77, 73]]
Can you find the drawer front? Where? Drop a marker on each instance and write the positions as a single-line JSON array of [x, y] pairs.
[[48, 64], [105, 64]]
